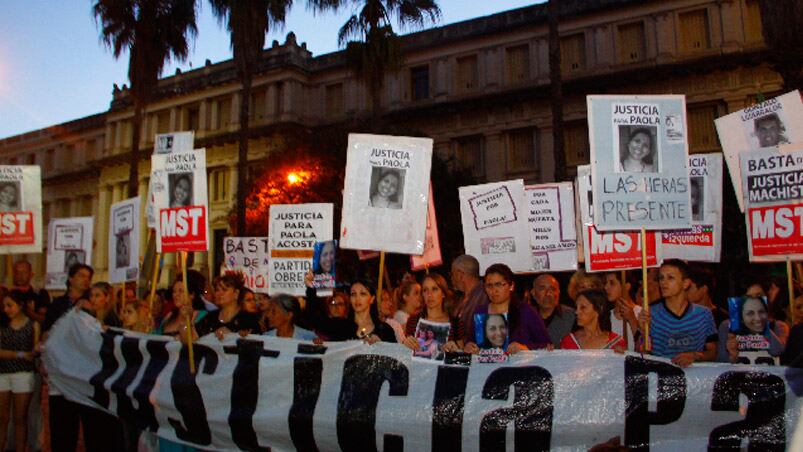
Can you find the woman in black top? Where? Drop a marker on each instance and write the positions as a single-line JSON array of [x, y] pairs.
[[229, 294]]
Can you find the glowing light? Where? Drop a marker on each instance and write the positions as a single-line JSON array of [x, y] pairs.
[[293, 178]]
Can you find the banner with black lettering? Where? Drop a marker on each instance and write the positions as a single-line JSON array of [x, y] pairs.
[[69, 242], [293, 231], [385, 193], [772, 184], [495, 228], [553, 233], [124, 241], [432, 243], [166, 143], [257, 392], [702, 242], [249, 257], [612, 250], [639, 147], [774, 122], [20, 209], [180, 201]]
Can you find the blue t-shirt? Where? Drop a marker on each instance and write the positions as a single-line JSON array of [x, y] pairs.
[[689, 332], [299, 333]]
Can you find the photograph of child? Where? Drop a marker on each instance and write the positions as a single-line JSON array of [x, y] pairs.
[[431, 337]]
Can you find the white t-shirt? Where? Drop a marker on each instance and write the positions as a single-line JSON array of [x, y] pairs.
[[616, 327]]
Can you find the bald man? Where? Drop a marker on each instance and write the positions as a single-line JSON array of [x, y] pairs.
[[559, 319], [465, 276]]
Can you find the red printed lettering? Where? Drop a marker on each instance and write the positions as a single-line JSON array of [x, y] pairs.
[[183, 229], [16, 228]]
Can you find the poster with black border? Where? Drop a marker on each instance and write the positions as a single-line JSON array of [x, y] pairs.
[[124, 221], [69, 242], [553, 233], [20, 209], [639, 148]]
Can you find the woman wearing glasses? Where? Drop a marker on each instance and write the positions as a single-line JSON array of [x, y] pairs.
[[525, 327]]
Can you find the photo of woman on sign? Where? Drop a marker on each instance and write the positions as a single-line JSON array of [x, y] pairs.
[[9, 196], [637, 149], [494, 328], [387, 188], [180, 188]]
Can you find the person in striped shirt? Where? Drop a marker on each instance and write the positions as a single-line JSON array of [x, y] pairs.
[[679, 330]]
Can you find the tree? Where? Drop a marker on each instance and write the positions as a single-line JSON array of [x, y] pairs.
[[372, 47], [152, 32], [556, 91], [781, 22], [248, 21]]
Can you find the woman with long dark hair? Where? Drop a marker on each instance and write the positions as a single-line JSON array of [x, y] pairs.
[[437, 298], [187, 303]]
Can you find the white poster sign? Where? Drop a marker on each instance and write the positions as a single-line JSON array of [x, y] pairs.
[[639, 147], [385, 194], [69, 242], [165, 143], [180, 201], [551, 219], [124, 241], [432, 242], [20, 209], [703, 241], [774, 122], [293, 231], [495, 228], [248, 256]]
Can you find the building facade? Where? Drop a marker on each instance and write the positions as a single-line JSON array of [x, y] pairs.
[[479, 88]]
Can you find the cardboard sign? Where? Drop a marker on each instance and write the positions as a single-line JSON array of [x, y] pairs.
[[638, 154], [702, 242], [180, 195], [69, 243], [607, 251], [385, 194], [432, 243], [551, 218], [20, 209], [774, 122], [495, 226], [124, 241], [249, 257], [773, 197], [324, 266], [166, 143], [294, 230]]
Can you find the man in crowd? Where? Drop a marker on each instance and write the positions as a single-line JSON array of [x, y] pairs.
[[37, 301], [465, 277], [678, 329], [700, 292], [558, 318]]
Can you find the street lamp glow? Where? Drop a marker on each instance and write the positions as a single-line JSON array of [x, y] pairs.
[[293, 178]]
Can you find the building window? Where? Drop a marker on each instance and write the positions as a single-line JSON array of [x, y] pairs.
[[219, 186], [631, 42], [469, 154], [90, 149], [575, 142], [517, 64], [63, 208], [466, 74], [334, 100], [85, 206], [702, 132], [223, 112], [573, 53], [419, 82], [520, 150], [30, 159], [694, 31], [48, 165], [752, 22], [256, 111], [193, 119], [162, 123]]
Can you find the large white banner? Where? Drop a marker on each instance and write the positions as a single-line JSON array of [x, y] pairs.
[[293, 231], [69, 242], [124, 241], [259, 392], [20, 209], [551, 218], [248, 256], [702, 242], [774, 122], [385, 194], [639, 147], [495, 228], [180, 201]]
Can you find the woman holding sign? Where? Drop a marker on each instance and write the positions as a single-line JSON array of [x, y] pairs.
[[526, 329], [188, 304], [437, 296]]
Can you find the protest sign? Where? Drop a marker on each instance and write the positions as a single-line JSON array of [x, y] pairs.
[[495, 226], [749, 322], [294, 230], [772, 184], [432, 243], [290, 395], [385, 194], [249, 257], [69, 242], [638, 155], [20, 209], [324, 268], [551, 218], [166, 143], [431, 337], [613, 250], [180, 201], [774, 122], [702, 242], [124, 241]]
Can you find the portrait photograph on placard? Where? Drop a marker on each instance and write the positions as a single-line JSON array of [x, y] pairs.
[[697, 186], [72, 257], [638, 149], [491, 331], [10, 196], [179, 187], [431, 337], [387, 188], [123, 248], [323, 264]]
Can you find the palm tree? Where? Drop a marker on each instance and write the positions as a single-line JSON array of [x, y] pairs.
[[248, 21], [376, 49], [781, 22], [152, 32]]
